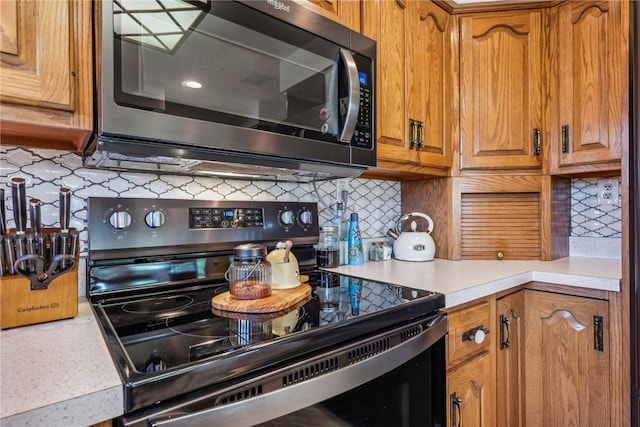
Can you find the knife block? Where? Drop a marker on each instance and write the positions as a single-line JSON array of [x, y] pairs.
[[19, 305]]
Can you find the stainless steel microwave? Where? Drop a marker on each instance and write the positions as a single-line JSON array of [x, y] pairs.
[[264, 88]]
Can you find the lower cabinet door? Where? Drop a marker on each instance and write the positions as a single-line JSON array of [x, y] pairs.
[[567, 361], [470, 393]]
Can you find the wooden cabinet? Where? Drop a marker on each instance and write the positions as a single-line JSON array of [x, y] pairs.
[[347, 12], [46, 73], [502, 89], [510, 360], [413, 120], [589, 85], [567, 360], [547, 359], [495, 217], [470, 378]]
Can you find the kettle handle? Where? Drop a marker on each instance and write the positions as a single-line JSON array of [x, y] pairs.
[[409, 215]]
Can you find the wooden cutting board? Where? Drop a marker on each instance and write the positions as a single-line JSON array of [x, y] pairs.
[[280, 299]]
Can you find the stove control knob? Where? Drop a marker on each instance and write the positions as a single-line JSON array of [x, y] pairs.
[[155, 219], [120, 220], [305, 217], [286, 218]]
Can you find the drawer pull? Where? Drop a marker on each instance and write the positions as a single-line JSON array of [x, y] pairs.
[[476, 334]]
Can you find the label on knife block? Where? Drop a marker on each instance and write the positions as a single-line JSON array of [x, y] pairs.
[[20, 305]]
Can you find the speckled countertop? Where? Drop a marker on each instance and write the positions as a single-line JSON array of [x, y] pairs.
[[58, 374], [61, 373]]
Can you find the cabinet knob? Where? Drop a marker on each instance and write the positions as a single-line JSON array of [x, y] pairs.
[[476, 335], [500, 255]]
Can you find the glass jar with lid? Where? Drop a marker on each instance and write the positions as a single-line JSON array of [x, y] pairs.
[[328, 253], [250, 273]]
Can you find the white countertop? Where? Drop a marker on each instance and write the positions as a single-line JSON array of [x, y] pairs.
[[464, 281], [61, 373], [58, 374]]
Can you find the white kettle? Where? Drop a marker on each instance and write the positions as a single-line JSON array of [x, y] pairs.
[[414, 245]]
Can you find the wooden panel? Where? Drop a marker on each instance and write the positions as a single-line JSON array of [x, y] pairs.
[[429, 81], [506, 223], [472, 383], [46, 87], [590, 84], [40, 72], [501, 83], [433, 197], [386, 21], [567, 378], [461, 321], [9, 26], [510, 360]]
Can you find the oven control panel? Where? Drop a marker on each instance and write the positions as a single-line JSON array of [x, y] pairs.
[[200, 218], [124, 227]]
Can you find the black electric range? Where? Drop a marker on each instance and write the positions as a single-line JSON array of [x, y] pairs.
[[155, 265]]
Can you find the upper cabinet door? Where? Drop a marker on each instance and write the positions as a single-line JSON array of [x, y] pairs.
[[589, 88], [46, 72], [386, 21], [429, 82], [501, 89], [347, 12], [413, 84]]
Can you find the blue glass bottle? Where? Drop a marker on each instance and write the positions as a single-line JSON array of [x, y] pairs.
[[356, 254]]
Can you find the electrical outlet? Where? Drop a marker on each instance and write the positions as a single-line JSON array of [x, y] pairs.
[[608, 191], [342, 185]]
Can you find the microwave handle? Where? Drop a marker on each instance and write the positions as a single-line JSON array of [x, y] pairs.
[[353, 102]]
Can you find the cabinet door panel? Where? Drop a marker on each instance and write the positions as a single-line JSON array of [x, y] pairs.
[[386, 22], [510, 360], [471, 383], [589, 56], [36, 67], [428, 80], [567, 378], [500, 89]]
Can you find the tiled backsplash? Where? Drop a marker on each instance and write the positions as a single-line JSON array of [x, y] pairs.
[[377, 201], [590, 219]]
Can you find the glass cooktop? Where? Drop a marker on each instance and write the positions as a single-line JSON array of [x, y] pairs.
[[168, 330]]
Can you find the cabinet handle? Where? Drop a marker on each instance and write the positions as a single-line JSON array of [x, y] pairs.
[[565, 138], [505, 323], [420, 139], [598, 333], [536, 142], [412, 134], [456, 410]]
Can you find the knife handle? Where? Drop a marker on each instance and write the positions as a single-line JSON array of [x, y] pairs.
[[36, 217], [18, 191], [3, 218], [65, 209]]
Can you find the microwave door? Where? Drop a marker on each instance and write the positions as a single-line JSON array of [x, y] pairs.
[[348, 95]]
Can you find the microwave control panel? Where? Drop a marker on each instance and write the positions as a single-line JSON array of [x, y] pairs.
[[362, 137]]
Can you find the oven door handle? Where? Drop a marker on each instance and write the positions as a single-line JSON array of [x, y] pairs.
[[271, 405]]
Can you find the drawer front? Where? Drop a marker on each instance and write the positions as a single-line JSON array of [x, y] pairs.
[[469, 332]]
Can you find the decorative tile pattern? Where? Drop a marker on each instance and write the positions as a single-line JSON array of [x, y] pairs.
[[588, 219], [377, 202], [46, 171]]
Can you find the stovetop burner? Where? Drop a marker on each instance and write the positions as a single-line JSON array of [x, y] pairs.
[[158, 305]]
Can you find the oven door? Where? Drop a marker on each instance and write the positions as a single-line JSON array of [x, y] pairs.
[[391, 378]]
